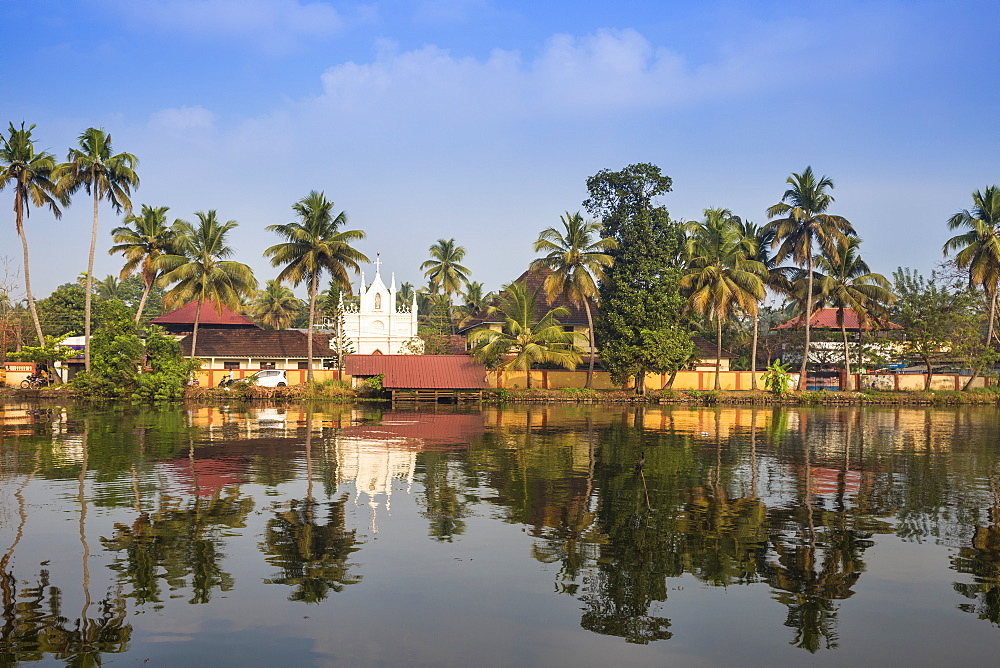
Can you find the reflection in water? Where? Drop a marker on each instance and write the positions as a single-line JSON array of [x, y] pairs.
[[623, 507]]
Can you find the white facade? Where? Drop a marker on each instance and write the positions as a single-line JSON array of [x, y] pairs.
[[376, 326]]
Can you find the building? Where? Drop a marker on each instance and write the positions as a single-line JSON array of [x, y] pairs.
[[377, 326], [441, 378]]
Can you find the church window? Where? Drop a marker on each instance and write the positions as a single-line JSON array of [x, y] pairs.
[[378, 302]]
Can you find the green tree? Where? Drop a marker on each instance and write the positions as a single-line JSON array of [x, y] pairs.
[[846, 282], [803, 224], [978, 250], [445, 271], [31, 176], [117, 356], [314, 245], [199, 271], [525, 338], [638, 325], [106, 175], [63, 310], [577, 261], [721, 274], [276, 307], [142, 239], [108, 287]]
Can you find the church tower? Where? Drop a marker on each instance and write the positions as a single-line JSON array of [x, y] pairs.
[[377, 326]]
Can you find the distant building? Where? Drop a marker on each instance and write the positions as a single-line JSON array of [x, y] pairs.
[[376, 326]]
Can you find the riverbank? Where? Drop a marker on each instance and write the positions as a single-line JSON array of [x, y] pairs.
[[326, 392]]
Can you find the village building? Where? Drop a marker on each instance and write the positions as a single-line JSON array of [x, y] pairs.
[[376, 325]]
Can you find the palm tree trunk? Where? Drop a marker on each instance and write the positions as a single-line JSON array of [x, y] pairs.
[[142, 303], [19, 219], [989, 338], [848, 380], [312, 317], [590, 333], [718, 353], [809, 298], [90, 279], [753, 352], [197, 321]]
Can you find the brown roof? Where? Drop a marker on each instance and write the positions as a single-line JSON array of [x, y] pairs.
[[420, 372], [826, 318], [211, 314], [266, 343], [708, 350], [533, 280]]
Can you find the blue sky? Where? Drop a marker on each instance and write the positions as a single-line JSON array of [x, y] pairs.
[[481, 120]]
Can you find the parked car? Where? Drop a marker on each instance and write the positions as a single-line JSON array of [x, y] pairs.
[[268, 378]]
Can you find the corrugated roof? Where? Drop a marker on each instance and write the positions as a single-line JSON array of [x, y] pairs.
[[423, 431], [420, 372], [533, 280], [273, 343], [826, 318], [211, 314]]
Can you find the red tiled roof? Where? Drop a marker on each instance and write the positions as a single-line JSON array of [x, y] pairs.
[[266, 343], [534, 280], [211, 314], [420, 372], [826, 318]]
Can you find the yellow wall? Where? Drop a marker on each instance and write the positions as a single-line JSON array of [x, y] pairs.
[[211, 377]]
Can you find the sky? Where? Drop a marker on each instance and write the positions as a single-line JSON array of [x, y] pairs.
[[481, 120]]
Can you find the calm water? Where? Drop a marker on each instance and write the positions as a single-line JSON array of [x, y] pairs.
[[318, 536]]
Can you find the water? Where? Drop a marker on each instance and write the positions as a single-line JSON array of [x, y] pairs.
[[362, 536]]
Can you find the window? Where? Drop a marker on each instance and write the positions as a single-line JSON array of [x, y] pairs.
[[567, 328], [267, 365], [378, 301], [229, 366], [302, 365]]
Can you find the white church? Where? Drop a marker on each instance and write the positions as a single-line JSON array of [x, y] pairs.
[[376, 326]]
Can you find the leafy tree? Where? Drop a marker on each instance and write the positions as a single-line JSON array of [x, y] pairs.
[[108, 287], [805, 223], [106, 175], [315, 245], [525, 338], [638, 326], [199, 271], [31, 175], [117, 354], [276, 307], [63, 310], [577, 262], [49, 353], [721, 275], [167, 372], [142, 239], [444, 270]]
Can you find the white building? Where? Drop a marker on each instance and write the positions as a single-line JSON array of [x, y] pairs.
[[376, 326]]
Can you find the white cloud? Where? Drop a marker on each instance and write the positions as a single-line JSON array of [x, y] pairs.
[[182, 119]]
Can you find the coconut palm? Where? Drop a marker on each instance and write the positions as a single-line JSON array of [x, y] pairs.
[[577, 257], [141, 240], [805, 223], [978, 249], [199, 271], [275, 306], [31, 175], [444, 270], [105, 175], [315, 245], [525, 339], [108, 288], [846, 282], [720, 275]]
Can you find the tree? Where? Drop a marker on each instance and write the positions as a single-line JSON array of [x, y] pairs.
[[846, 282], [141, 240], [978, 249], [198, 269], [577, 262], [276, 307], [805, 223], [105, 175], [118, 354], [525, 338], [31, 175], [639, 318], [758, 240], [315, 245], [62, 311], [444, 270], [721, 276]]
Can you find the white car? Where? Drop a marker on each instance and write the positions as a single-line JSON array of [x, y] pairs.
[[268, 378]]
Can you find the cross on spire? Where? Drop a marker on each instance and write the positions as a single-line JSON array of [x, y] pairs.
[[377, 262]]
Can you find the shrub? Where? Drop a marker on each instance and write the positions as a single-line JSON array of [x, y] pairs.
[[776, 378]]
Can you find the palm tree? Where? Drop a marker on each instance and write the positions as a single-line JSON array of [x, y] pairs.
[[275, 306], [141, 240], [804, 224], [31, 174], [978, 249], [577, 262], [108, 288], [846, 282], [105, 175], [444, 270], [525, 339], [199, 271], [313, 246], [721, 276]]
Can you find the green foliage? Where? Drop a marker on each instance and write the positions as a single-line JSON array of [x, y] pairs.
[[502, 394], [374, 383], [579, 392], [48, 354], [167, 371], [63, 310], [776, 378]]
